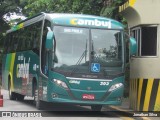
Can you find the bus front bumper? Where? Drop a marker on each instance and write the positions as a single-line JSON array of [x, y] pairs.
[[76, 97]]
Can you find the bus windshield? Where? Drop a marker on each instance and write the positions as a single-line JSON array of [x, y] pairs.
[[77, 48]]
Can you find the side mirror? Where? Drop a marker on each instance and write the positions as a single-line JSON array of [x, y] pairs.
[[49, 40], [133, 46]]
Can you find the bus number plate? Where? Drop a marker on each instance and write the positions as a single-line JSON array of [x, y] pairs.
[[88, 96]]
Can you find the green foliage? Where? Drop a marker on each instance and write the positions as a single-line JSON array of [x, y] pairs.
[[93, 7], [107, 11], [63, 6], [7, 6], [112, 11]]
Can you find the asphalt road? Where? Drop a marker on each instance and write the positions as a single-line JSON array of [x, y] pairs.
[[53, 111]]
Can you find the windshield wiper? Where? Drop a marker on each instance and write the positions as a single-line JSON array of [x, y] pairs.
[[80, 59], [92, 51]]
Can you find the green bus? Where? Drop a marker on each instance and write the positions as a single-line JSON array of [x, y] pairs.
[[66, 58]]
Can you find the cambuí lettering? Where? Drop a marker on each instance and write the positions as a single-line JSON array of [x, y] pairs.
[[23, 69], [95, 22]]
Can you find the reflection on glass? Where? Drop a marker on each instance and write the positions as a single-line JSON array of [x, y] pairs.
[[77, 48], [107, 47]]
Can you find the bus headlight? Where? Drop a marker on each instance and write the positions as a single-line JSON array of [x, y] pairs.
[[115, 86], [60, 83]]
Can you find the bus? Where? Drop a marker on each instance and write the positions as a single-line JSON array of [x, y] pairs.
[[66, 58]]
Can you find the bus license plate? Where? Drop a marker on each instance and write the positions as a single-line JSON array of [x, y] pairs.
[[88, 96]]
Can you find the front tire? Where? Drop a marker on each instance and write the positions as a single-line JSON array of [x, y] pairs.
[[20, 97], [12, 95]]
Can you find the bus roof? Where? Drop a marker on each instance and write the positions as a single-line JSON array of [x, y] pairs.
[[80, 20], [85, 21]]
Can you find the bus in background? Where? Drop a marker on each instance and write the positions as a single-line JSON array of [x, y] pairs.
[[66, 58]]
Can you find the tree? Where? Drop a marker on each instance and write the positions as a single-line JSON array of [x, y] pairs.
[[110, 8], [8, 6], [106, 8], [33, 7]]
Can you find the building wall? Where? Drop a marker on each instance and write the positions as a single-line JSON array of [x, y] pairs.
[[144, 91], [141, 12], [146, 66]]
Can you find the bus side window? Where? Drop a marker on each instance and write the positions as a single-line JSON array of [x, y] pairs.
[[20, 39], [10, 42], [36, 43], [27, 39], [36, 33], [15, 43], [34, 40], [6, 43], [21, 45]]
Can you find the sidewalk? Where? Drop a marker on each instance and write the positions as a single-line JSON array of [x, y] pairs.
[[124, 107]]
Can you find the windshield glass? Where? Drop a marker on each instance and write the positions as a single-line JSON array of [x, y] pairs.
[[106, 47], [72, 49], [78, 48]]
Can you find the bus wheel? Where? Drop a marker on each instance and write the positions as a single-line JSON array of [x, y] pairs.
[[20, 97], [12, 95], [96, 107], [36, 98]]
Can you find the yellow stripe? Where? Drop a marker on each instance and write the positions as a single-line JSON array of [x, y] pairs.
[[11, 69], [132, 2], [136, 94], [139, 92], [157, 103], [148, 94], [130, 93], [133, 93]]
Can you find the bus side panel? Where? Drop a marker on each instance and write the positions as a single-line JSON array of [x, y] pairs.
[[43, 88], [4, 72], [7, 70], [26, 68]]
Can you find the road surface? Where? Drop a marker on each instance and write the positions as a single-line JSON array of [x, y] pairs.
[[52, 111]]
